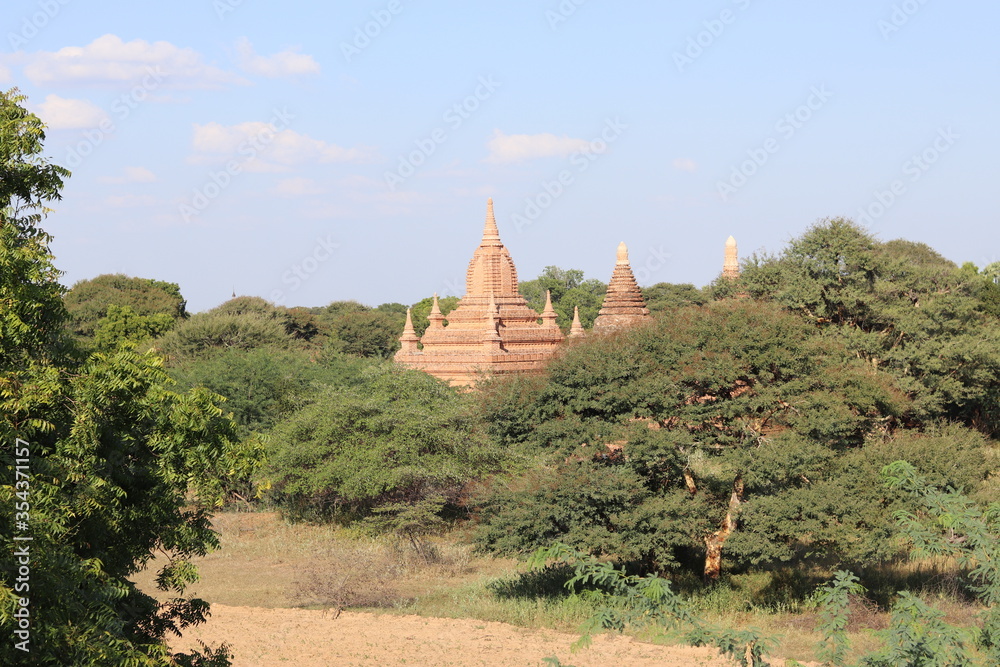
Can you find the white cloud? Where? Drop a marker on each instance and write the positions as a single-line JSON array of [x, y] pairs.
[[285, 63], [4, 74], [296, 187], [61, 113], [131, 175], [108, 59], [520, 147], [263, 147], [685, 164]]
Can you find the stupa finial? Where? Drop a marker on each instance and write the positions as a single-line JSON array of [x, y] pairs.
[[622, 257], [490, 231]]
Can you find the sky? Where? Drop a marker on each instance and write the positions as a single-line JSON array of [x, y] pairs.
[[311, 152]]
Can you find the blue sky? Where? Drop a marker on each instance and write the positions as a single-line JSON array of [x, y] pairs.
[[310, 152]]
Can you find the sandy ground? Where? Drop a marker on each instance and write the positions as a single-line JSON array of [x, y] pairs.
[[314, 638]]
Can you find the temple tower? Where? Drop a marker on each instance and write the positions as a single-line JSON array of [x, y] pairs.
[[492, 329], [731, 264], [623, 304]]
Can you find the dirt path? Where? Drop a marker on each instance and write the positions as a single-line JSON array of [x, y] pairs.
[[312, 639]]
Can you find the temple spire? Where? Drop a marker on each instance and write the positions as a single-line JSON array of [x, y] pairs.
[[435, 317], [623, 302], [576, 330], [491, 235], [409, 339], [731, 264], [549, 314]]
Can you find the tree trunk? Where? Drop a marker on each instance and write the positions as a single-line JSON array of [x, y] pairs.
[[715, 541]]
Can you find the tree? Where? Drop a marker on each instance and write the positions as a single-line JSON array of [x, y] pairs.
[[898, 305], [109, 449], [734, 416], [369, 333], [399, 436], [123, 326], [668, 296], [568, 289], [90, 300]]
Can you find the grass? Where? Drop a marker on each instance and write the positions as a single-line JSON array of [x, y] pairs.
[[265, 561]]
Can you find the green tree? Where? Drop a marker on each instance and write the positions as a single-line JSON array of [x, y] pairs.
[[89, 300], [568, 289], [668, 296], [898, 305], [368, 333], [111, 450], [124, 326], [734, 416], [399, 436]]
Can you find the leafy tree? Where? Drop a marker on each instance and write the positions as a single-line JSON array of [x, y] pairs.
[[668, 296], [123, 326], [898, 305], [568, 289], [733, 415], [89, 300], [111, 450], [367, 333], [399, 436]]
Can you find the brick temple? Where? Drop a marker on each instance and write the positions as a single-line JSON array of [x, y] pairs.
[[493, 331]]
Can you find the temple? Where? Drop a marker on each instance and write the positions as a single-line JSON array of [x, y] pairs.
[[491, 331], [623, 304], [731, 263]]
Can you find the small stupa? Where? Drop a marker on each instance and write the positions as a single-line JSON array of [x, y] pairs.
[[623, 304], [731, 264], [492, 329], [576, 330]]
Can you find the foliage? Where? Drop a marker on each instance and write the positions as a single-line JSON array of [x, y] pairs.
[[112, 453], [421, 309], [669, 296], [898, 305], [89, 301], [947, 524], [369, 333], [731, 418], [628, 600], [398, 436], [833, 600], [124, 326], [568, 289]]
